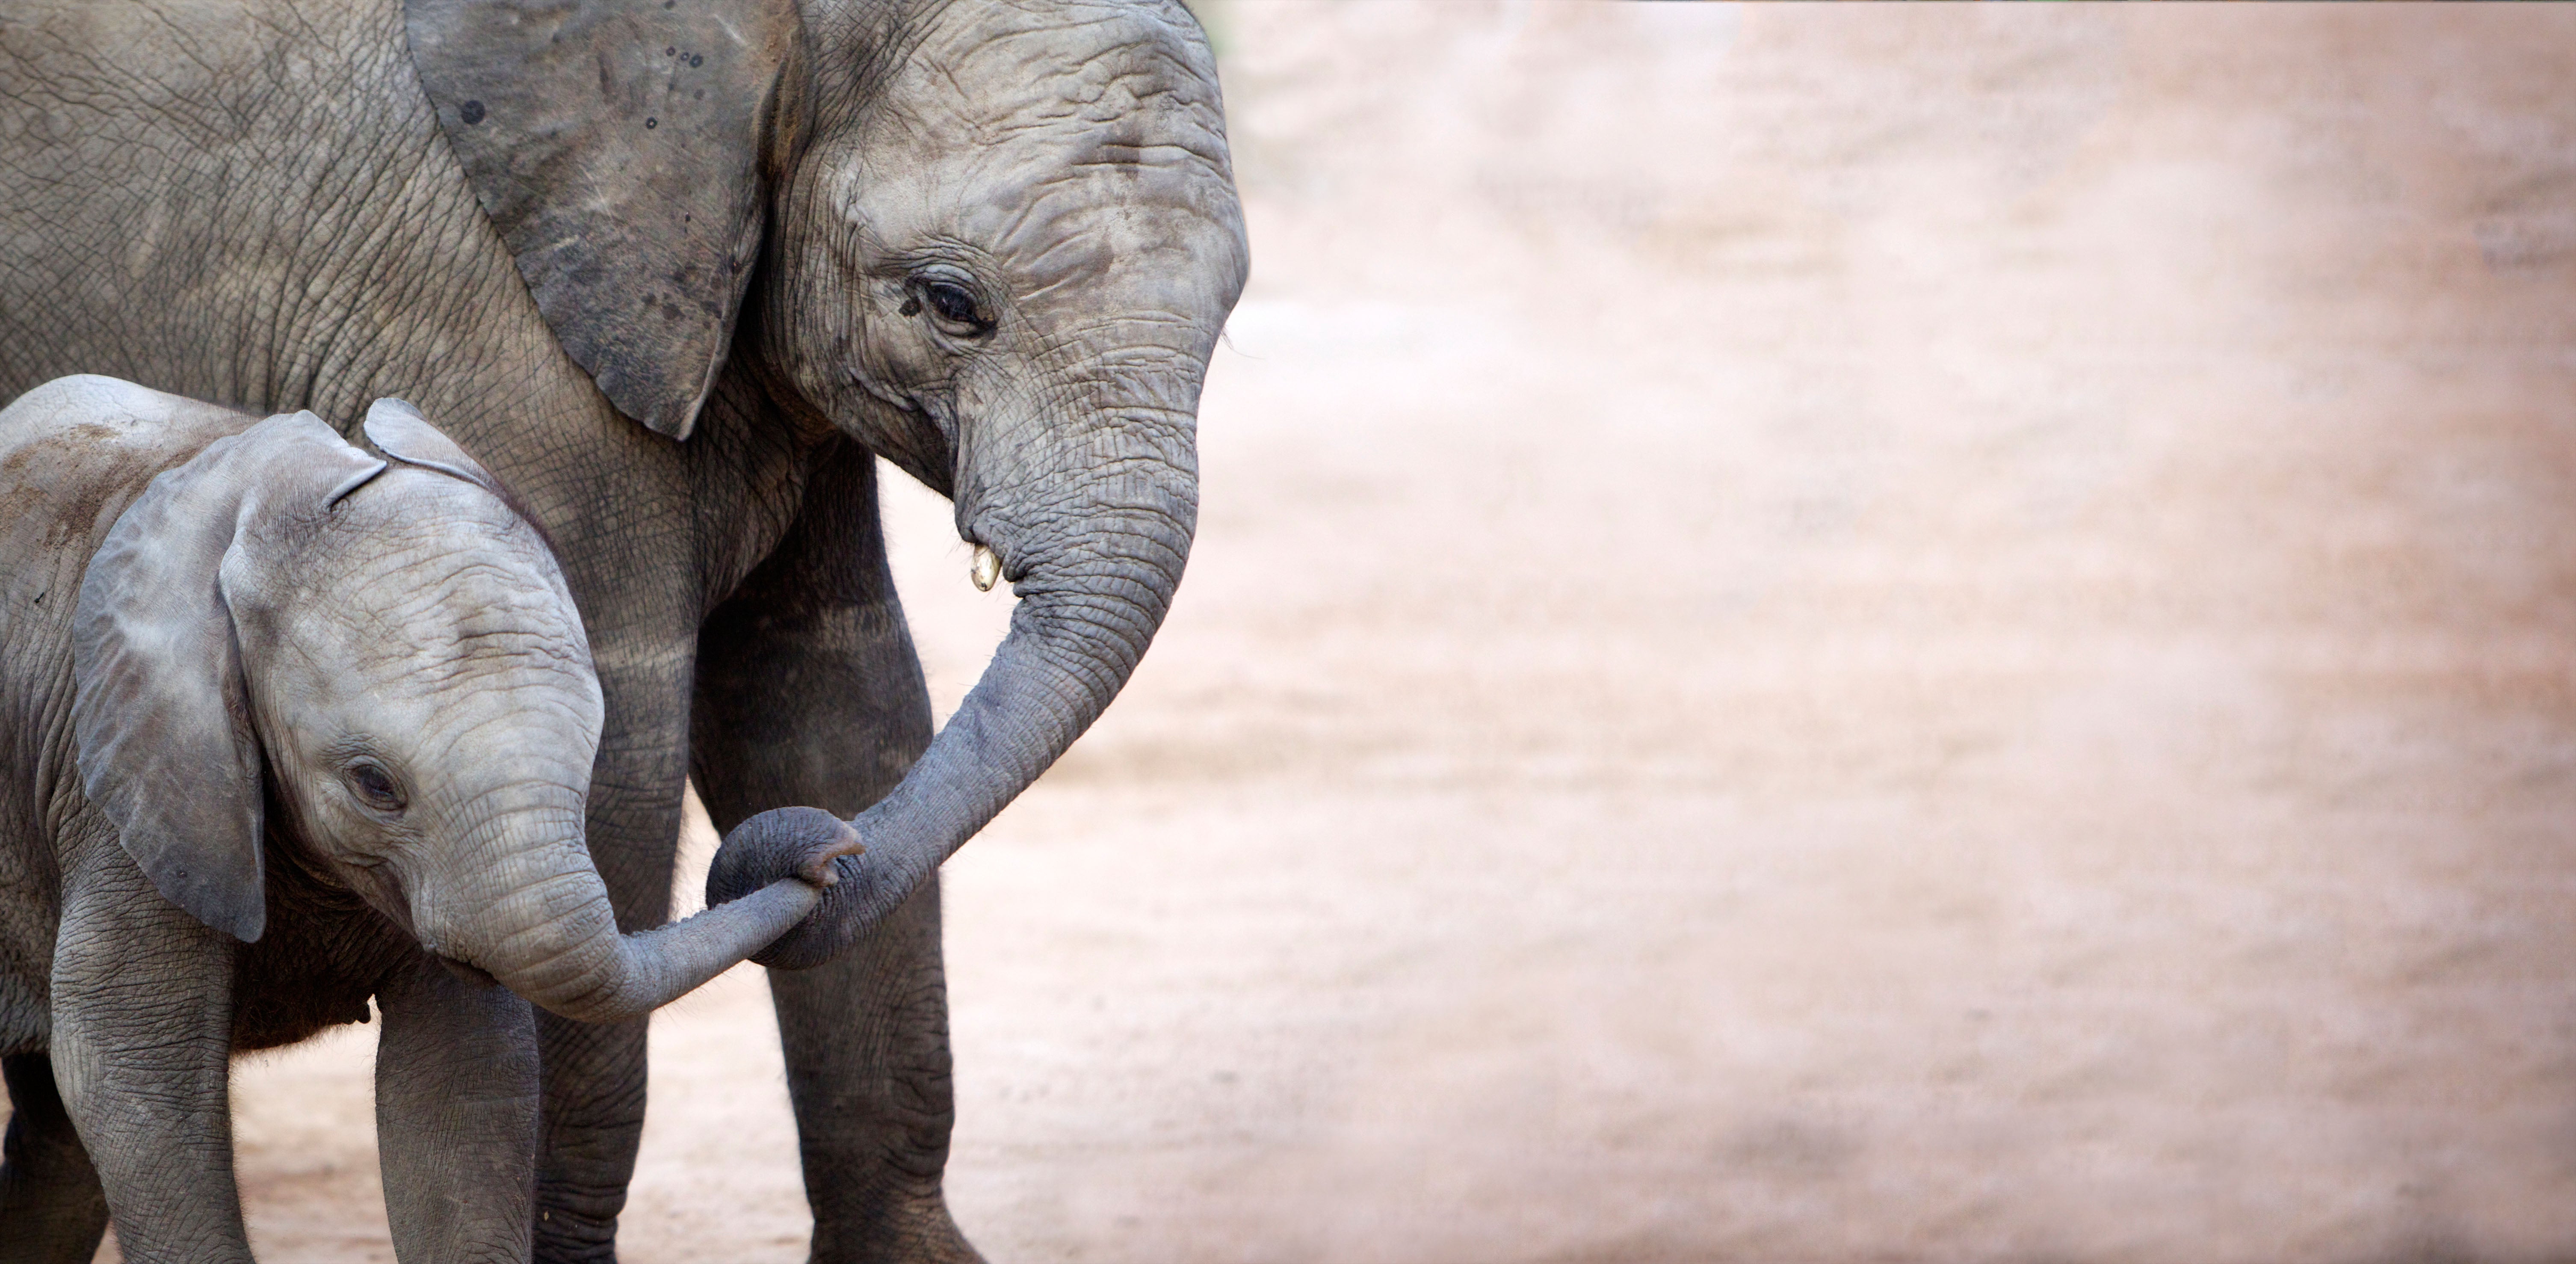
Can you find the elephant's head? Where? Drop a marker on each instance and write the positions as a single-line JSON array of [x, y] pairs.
[[998, 241], [387, 654]]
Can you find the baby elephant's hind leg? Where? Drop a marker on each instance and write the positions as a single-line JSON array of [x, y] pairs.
[[51, 1208]]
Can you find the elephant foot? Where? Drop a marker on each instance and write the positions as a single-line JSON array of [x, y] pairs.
[[915, 1230], [569, 1237]]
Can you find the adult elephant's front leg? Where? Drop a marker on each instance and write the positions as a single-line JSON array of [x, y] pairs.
[[808, 692], [593, 1079]]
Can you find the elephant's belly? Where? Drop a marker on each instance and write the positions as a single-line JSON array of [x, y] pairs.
[[314, 969], [26, 1016], [288, 1011], [30, 895], [29, 914]]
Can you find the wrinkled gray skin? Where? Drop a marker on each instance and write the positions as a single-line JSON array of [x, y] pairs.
[[286, 728], [709, 266]]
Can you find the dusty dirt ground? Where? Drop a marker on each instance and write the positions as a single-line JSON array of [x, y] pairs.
[[1818, 636]]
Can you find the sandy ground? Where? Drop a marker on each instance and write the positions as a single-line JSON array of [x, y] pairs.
[[1818, 636]]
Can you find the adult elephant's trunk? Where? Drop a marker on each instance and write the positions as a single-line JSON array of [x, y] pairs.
[[1092, 521], [533, 914]]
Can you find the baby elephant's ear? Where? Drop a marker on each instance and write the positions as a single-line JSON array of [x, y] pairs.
[[161, 709], [399, 431]]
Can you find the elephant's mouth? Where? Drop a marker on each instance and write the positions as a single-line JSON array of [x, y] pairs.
[[470, 973], [380, 886]]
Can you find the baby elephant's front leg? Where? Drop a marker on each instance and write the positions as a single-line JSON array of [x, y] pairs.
[[456, 1115], [142, 1045], [51, 1211]]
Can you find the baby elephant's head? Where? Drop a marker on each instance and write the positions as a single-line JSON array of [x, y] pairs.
[[394, 643]]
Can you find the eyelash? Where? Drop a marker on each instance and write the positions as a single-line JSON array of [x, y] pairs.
[[942, 297], [391, 799]]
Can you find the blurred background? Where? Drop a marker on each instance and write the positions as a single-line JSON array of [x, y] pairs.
[[1819, 635]]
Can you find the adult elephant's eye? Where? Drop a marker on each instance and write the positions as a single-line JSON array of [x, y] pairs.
[[375, 787], [954, 306]]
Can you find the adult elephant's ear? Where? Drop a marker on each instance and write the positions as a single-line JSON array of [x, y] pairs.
[[618, 146]]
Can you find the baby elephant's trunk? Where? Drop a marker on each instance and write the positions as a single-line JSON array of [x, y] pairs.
[[539, 921]]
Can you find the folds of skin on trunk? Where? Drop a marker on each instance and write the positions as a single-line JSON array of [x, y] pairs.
[[538, 921]]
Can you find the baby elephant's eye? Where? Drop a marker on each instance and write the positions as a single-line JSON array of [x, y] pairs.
[[375, 787]]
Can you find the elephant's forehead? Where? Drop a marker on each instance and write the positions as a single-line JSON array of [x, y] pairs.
[[1109, 237], [1050, 36], [1087, 82], [477, 641], [1038, 186], [479, 612], [423, 566]]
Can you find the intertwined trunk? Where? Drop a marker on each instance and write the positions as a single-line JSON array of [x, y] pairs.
[[1091, 505], [529, 910]]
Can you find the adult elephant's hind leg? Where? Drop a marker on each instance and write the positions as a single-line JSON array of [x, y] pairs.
[[593, 1082], [593, 1123], [51, 1208], [808, 692], [456, 1115]]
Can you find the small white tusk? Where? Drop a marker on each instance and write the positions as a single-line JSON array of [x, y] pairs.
[[988, 568]]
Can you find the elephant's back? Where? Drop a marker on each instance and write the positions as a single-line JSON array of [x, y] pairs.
[[251, 202], [244, 201], [74, 453]]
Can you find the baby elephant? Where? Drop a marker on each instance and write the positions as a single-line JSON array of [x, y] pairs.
[[285, 726]]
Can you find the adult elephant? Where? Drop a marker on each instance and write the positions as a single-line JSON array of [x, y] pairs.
[[674, 270]]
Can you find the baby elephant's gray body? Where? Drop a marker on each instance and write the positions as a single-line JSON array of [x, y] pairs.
[[286, 726], [73, 455]]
